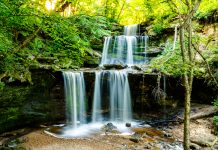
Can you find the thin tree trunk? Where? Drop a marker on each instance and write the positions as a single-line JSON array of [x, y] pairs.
[[186, 140], [121, 10], [188, 59]]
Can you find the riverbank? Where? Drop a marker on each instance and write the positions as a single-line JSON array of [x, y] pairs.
[[202, 137]]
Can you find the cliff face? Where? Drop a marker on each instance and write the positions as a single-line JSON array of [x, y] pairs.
[[23, 104], [43, 102]]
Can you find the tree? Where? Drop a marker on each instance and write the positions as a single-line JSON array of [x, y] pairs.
[[185, 9], [29, 31], [188, 57]]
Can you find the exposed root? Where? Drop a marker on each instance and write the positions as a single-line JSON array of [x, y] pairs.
[[157, 92]]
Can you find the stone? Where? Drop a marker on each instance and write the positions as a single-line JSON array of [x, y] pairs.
[[115, 66], [55, 129], [136, 68], [136, 137], [167, 135], [147, 146], [128, 124], [109, 127]]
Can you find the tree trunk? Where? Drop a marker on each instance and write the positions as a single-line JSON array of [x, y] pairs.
[[118, 17], [186, 140]]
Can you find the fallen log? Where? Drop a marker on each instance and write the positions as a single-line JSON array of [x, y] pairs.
[[201, 112]]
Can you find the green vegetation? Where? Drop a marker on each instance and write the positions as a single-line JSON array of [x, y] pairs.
[[65, 34], [28, 32], [215, 103]]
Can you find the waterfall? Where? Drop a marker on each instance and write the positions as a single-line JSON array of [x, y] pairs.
[[126, 49], [120, 99], [131, 43], [119, 96], [107, 42], [131, 30], [96, 109], [74, 87]]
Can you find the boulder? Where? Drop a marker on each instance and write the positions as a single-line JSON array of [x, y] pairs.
[[136, 137], [109, 128]]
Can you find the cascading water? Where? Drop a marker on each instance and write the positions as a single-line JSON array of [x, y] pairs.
[[74, 87], [125, 49], [120, 98], [131, 30], [111, 89], [107, 42], [131, 43], [96, 108]]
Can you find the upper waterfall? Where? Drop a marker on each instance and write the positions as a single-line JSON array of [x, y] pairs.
[[131, 30], [126, 48]]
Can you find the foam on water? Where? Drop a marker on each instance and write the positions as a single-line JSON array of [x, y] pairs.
[[87, 130]]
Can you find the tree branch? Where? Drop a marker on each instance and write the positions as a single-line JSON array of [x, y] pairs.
[[207, 64], [121, 9], [27, 41]]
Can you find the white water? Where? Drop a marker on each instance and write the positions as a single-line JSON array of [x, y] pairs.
[[123, 49], [131, 44], [131, 30], [111, 89], [119, 106], [120, 98], [107, 42], [96, 109], [74, 87]]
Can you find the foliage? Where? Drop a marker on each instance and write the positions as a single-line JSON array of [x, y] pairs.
[[207, 9], [170, 62], [215, 103], [29, 31]]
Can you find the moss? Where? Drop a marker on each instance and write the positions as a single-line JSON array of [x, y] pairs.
[[28, 105], [11, 100]]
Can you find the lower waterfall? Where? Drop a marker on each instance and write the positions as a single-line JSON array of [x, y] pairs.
[[111, 93], [119, 96], [74, 87]]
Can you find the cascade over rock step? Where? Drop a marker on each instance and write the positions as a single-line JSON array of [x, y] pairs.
[[114, 66]]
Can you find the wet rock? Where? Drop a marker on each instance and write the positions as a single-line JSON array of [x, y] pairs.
[[136, 67], [55, 129], [109, 128], [136, 137], [145, 126], [171, 146], [153, 52], [128, 124], [167, 135], [115, 66], [147, 146]]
